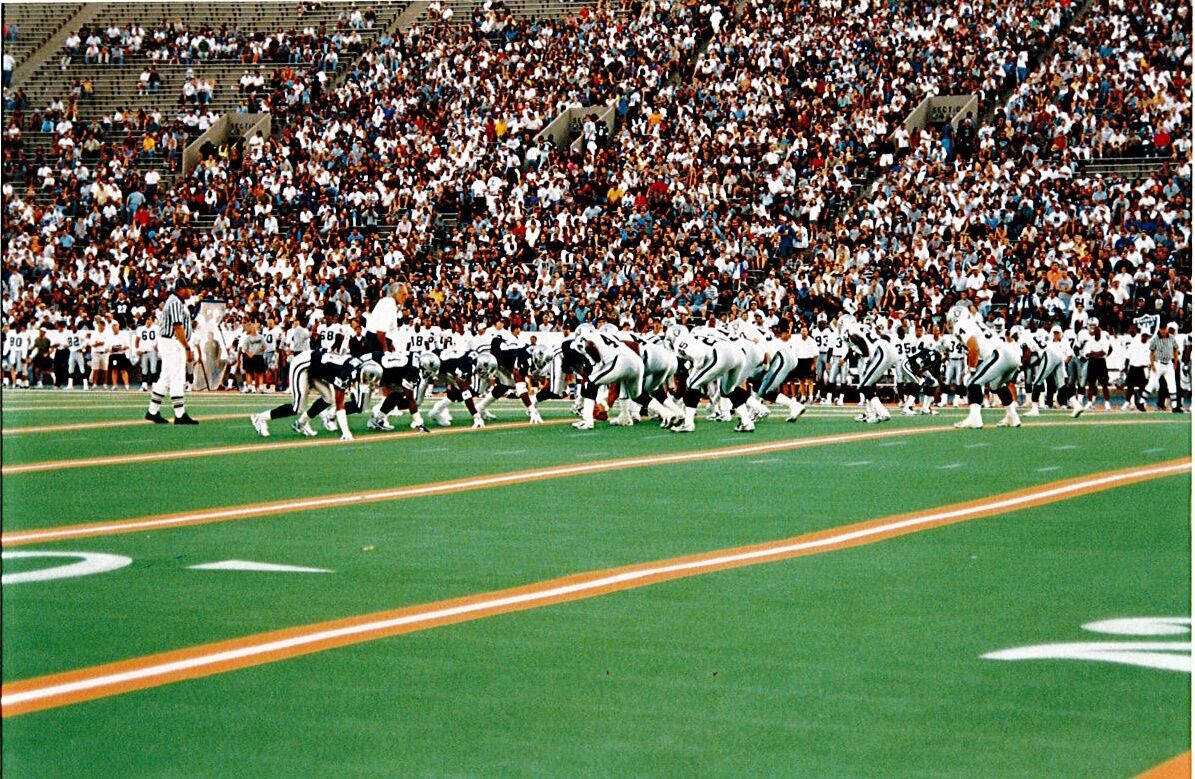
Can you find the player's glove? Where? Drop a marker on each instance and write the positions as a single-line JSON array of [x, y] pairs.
[[346, 437], [422, 429], [478, 422]]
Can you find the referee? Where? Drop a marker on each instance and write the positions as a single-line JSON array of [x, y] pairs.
[[174, 348], [1164, 353]]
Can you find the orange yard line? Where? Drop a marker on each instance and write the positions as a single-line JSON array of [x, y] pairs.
[[184, 454], [301, 443], [1178, 767], [251, 510], [101, 681]]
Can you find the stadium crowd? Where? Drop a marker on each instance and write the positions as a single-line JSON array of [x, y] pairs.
[[176, 42], [730, 184]]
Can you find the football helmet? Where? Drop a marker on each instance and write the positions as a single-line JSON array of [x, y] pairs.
[[371, 373]]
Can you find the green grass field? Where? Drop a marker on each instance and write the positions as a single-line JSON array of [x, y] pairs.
[[860, 661]]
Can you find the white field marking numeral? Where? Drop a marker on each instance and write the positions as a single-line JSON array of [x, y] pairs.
[[1162, 655], [89, 563]]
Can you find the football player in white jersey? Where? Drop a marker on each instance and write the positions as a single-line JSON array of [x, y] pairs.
[[332, 335], [995, 363], [879, 356], [76, 362], [823, 334], [273, 335], [16, 355], [424, 338], [838, 371], [145, 346], [907, 343]]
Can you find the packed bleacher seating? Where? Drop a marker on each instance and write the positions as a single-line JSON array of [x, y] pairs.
[[759, 161]]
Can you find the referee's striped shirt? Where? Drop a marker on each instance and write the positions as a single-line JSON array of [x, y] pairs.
[[1163, 349], [174, 313]]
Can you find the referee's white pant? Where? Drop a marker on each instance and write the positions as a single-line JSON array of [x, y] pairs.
[[172, 379], [1163, 372]]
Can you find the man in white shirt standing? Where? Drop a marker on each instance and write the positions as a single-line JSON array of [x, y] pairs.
[[98, 344], [1137, 359], [120, 346], [382, 321], [1096, 349]]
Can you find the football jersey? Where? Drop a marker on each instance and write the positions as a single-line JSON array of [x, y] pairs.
[[399, 370], [425, 339], [147, 339], [339, 370], [75, 339], [15, 345], [824, 337], [969, 328], [839, 345], [457, 364], [273, 338], [334, 338]]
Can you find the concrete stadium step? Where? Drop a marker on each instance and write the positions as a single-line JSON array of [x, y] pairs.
[[36, 23], [50, 82], [1124, 167]]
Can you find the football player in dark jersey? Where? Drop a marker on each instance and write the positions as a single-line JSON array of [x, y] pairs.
[[332, 377]]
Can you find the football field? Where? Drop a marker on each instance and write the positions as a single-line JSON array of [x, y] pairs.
[[822, 598]]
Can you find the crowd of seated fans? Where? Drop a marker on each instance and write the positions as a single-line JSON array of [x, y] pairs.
[[178, 43], [730, 182]]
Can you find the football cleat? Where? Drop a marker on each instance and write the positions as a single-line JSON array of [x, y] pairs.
[[488, 416], [1033, 412], [328, 418], [420, 428], [796, 412], [185, 419], [583, 424], [378, 422], [444, 419], [908, 412], [744, 426], [260, 424], [683, 427], [969, 424], [860, 417], [1077, 410], [1009, 422], [534, 416], [303, 428], [155, 418]]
